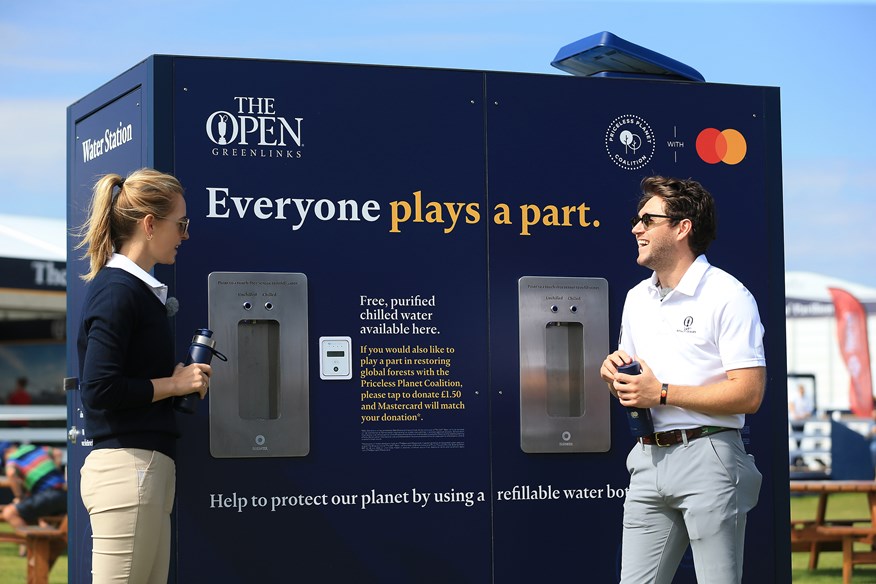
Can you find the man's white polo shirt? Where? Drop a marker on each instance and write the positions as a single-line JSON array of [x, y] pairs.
[[706, 326]]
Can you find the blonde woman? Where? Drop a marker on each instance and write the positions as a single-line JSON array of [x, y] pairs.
[[127, 373]]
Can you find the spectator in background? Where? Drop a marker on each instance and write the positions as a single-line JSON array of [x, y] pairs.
[[37, 483], [800, 406], [19, 397]]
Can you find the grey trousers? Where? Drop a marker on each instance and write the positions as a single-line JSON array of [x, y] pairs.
[[697, 493]]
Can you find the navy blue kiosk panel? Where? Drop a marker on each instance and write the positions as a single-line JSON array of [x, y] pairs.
[[374, 169], [584, 145], [411, 203]]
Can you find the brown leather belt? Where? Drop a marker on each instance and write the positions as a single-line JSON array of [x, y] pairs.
[[673, 437]]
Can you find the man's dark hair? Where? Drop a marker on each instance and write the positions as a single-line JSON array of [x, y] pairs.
[[685, 199]]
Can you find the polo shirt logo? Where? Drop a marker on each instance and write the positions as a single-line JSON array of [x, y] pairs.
[[688, 325]]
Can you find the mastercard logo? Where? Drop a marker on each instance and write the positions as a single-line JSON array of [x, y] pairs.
[[715, 146]]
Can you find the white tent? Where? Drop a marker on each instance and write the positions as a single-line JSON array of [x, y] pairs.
[[33, 256], [811, 330]]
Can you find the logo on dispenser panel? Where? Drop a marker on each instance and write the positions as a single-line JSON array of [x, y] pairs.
[[629, 141], [566, 439]]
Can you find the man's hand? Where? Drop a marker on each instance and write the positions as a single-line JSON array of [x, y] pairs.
[[637, 391], [610, 365]]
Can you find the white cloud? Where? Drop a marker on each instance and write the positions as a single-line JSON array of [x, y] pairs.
[[32, 156]]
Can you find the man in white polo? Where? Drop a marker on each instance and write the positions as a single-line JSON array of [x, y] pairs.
[[696, 332]]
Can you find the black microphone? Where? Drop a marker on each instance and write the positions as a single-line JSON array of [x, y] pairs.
[[172, 306]]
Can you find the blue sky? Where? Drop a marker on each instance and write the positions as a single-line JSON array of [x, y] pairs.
[[819, 53]]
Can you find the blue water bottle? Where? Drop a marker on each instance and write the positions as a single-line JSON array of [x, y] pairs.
[[640, 420], [201, 350]]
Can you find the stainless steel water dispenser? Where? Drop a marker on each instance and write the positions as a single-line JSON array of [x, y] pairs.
[[564, 404], [259, 398]]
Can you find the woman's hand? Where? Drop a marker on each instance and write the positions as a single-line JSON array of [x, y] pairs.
[[192, 378], [186, 379]]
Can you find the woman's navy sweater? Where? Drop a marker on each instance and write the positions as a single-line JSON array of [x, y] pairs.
[[124, 342]]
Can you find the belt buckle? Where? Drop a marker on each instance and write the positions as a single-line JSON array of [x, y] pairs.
[[657, 439]]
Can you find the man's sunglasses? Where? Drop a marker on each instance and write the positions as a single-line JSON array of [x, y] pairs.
[[647, 219]]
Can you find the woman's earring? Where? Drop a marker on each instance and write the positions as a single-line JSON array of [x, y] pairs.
[[149, 237]]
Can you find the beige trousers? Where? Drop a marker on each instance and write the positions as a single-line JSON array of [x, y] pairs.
[[129, 494]]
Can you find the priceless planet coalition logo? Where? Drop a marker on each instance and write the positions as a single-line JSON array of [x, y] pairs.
[[727, 146], [629, 141]]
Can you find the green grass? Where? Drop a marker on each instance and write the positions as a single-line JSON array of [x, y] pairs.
[[830, 564], [13, 569]]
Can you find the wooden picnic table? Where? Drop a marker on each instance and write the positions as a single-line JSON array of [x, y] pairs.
[[822, 534]]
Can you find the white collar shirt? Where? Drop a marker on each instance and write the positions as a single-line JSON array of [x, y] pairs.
[[707, 325], [125, 263]]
